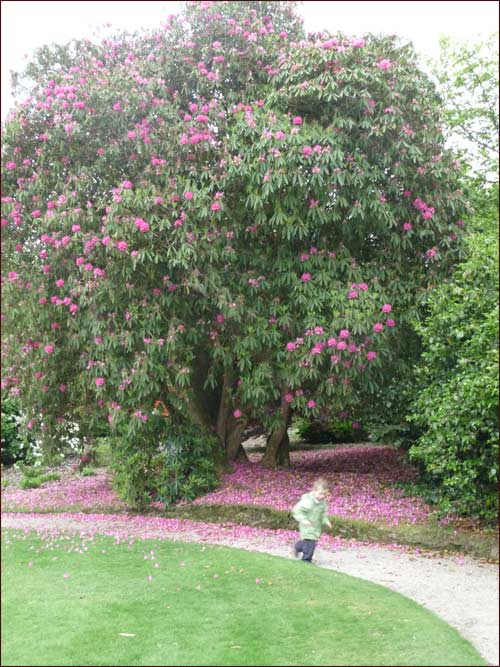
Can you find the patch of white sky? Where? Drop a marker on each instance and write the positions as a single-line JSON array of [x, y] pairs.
[[26, 25]]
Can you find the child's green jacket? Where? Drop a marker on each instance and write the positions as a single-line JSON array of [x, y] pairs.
[[313, 510]]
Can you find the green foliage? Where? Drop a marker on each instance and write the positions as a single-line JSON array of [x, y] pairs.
[[168, 466], [183, 207], [103, 452], [456, 407], [334, 430], [467, 74], [87, 472], [16, 445], [34, 477]]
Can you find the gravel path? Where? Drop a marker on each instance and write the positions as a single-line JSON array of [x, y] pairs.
[[461, 590]]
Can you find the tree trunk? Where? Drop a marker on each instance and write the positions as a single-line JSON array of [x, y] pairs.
[[224, 404], [278, 443], [234, 433], [228, 428], [283, 455]]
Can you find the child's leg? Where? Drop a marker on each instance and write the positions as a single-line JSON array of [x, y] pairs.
[[299, 548], [308, 549]]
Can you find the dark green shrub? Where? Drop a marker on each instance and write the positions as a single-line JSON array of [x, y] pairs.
[[334, 431], [34, 477], [156, 464], [457, 405], [16, 446], [30, 483]]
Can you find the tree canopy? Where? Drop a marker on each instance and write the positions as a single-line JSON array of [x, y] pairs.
[[225, 215]]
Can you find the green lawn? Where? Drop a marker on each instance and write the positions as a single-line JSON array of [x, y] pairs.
[[84, 602]]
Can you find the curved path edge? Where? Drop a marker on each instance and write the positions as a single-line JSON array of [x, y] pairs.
[[462, 591]]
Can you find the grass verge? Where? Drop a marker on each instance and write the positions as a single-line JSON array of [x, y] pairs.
[[431, 536]]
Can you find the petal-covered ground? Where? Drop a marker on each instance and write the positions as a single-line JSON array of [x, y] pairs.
[[125, 528], [85, 493], [362, 483]]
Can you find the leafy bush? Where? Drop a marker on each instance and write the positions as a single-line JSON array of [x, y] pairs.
[[16, 446], [458, 380], [34, 479], [168, 467], [335, 431], [87, 472], [103, 452]]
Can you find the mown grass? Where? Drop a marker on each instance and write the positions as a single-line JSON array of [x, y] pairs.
[[94, 602]]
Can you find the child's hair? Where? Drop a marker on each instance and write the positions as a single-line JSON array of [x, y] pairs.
[[320, 484]]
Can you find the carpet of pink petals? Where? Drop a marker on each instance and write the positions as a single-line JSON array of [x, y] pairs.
[[362, 483], [86, 493], [128, 528]]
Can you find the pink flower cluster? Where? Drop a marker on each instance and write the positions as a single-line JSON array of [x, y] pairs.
[[426, 211]]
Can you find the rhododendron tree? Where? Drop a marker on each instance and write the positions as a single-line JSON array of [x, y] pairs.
[[223, 215]]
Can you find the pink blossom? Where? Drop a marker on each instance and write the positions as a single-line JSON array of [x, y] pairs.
[[390, 323], [344, 333], [237, 413], [126, 185], [288, 398], [431, 253], [60, 282], [36, 213], [358, 43], [384, 64], [141, 225], [188, 195], [377, 327], [311, 404], [297, 120], [215, 206], [352, 294], [305, 277], [371, 355], [307, 150], [386, 308], [407, 226], [100, 382], [49, 349]]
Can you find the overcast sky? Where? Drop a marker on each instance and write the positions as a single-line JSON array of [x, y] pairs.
[[26, 25]]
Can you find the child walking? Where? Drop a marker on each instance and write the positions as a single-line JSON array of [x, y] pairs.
[[311, 514]]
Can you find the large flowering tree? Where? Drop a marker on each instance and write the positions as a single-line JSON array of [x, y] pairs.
[[222, 215]]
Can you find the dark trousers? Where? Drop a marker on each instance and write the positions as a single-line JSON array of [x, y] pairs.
[[306, 548]]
